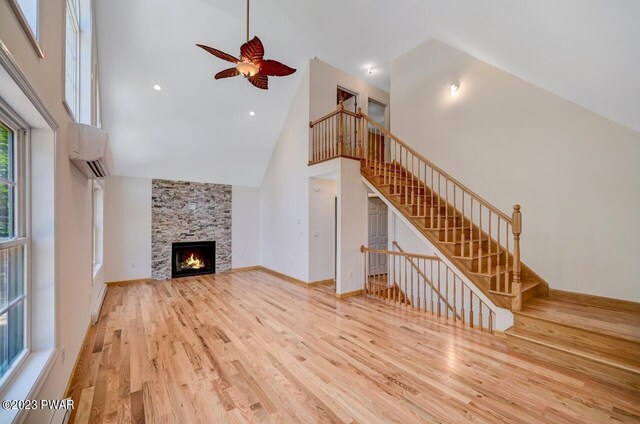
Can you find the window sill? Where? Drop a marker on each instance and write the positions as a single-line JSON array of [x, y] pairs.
[[97, 268], [27, 381]]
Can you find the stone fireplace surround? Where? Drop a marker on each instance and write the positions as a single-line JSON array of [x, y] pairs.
[[185, 211]]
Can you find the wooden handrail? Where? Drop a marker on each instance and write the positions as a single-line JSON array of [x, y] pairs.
[[437, 168], [419, 271], [405, 282], [331, 114], [391, 252]]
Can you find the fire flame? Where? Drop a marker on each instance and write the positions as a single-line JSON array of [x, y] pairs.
[[194, 263]]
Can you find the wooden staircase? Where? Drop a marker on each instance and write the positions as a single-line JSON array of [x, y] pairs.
[[589, 334], [383, 290], [592, 335], [455, 235]]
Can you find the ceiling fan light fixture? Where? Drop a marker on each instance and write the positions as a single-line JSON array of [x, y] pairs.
[[252, 65], [247, 69]]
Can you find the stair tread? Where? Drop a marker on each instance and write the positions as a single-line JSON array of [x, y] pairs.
[[609, 357], [618, 324]]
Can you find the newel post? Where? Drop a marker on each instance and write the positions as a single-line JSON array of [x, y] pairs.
[[340, 135], [516, 287], [359, 126]]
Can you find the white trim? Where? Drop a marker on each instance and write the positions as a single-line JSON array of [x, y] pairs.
[[35, 369], [97, 306], [34, 38], [9, 64], [26, 382]]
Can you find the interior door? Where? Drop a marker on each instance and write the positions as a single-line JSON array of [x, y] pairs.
[[378, 235], [349, 128]]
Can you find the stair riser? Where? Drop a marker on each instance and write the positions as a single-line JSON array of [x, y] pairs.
[[460, 250], [454, 235], [486, 263], [440, 221], [583, 338]]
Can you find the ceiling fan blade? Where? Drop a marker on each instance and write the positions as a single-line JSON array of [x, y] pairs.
[[259, 80], [220, 54], [252, 50], [275, 68], [227, 73]]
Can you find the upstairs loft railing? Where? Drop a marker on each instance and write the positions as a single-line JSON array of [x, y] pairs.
[[482, 234], [424, 283], [335, 135]]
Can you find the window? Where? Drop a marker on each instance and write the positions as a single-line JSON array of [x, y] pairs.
[[27, 13], [98, 226], [29, 9], [13, 248], [72, 58]]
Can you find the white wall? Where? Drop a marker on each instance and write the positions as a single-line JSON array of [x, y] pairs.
[[284, 194], [127, 237], [324, 82], [575, 173], [245, 226], [353, 203], [322, 227]]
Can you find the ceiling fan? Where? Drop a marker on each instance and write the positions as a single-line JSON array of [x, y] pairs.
[[251, 64]]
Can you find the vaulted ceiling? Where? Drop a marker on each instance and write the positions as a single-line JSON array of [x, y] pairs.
[[199, 129]]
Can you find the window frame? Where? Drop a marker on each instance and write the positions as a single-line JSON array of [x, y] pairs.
[[33, 36], [22, 236], [72, 7]]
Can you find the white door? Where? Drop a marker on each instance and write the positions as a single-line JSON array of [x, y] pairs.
[[378, 235]]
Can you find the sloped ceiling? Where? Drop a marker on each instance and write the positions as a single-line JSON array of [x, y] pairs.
[[199, 129]]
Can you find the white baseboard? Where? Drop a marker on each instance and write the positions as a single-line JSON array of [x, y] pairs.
[[95, 311]]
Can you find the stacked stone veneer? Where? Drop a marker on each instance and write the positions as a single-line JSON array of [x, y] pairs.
[[184, 211]]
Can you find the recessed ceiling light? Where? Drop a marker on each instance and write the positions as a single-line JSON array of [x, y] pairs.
[[454, 89], [370, 70], [157, 87], [252, 113]]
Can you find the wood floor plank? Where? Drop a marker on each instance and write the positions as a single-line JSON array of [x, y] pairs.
[[249, 347]]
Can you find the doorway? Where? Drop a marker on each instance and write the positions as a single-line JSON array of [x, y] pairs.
[[349, 129], [349, 99], [378, 235], [377, 139], [377, 111]]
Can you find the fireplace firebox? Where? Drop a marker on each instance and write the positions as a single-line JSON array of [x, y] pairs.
[[193, 258]]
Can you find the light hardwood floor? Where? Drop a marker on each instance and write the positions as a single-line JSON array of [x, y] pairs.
[[251, 347]]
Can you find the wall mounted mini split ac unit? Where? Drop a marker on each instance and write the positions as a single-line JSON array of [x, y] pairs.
[[90, 151]]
